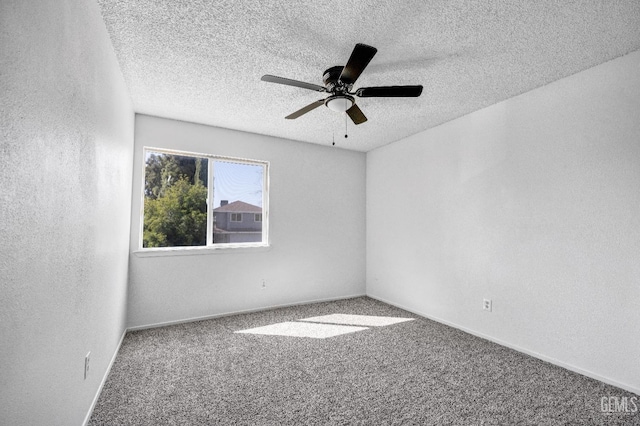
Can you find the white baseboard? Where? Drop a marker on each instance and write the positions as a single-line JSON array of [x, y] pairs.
[[104, 380], [245, 311], [534, 354]]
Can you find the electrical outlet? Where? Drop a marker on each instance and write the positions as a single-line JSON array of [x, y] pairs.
[[86, 364], [264, 284], [486, 304]]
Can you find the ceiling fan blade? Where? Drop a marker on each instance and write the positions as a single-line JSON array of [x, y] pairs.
[[356, 115], [389, 92], [358, 61], [305, 110], [289, 82]]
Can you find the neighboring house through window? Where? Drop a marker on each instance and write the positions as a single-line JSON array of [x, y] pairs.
[[233, 223]]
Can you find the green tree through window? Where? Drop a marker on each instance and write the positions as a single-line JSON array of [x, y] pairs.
[[175, 203], [178, 218]]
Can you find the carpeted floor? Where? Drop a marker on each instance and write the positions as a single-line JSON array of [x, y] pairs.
[[410, 373]]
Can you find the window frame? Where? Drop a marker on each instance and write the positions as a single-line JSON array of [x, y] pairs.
[[209, 246], [255, 217], [232, 215]]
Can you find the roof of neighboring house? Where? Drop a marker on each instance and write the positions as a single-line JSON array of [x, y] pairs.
[[238, 207]]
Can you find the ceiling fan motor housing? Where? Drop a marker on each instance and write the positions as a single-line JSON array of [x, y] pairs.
[[331, 79]]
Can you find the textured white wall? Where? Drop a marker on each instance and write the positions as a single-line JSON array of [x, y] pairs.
[[533, 203], [317, 231], [65, 189]]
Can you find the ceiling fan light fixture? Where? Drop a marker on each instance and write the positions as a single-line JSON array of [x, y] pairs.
[[339, 103]]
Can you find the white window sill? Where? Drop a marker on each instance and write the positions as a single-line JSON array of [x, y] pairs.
[[196, 251]]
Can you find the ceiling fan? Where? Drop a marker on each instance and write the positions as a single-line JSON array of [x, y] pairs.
[[338, 82]]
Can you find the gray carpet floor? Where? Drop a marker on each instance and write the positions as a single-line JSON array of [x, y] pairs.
[[412, 373]]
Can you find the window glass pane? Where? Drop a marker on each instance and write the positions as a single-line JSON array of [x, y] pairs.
[[237, 198], [175, 200]]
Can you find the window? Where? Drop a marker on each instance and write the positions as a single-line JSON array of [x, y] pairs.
[[257, 217], [199, 200]]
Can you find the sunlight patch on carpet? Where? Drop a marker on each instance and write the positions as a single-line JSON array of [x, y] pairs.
[[363, 320], [303, 329]]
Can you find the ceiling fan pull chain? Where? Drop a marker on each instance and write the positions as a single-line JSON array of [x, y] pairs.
[[345, 126]]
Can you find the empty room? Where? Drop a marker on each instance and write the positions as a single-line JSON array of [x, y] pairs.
[[322, 213]]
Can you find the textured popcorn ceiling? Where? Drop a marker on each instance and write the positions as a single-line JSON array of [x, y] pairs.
[[201, 60]]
